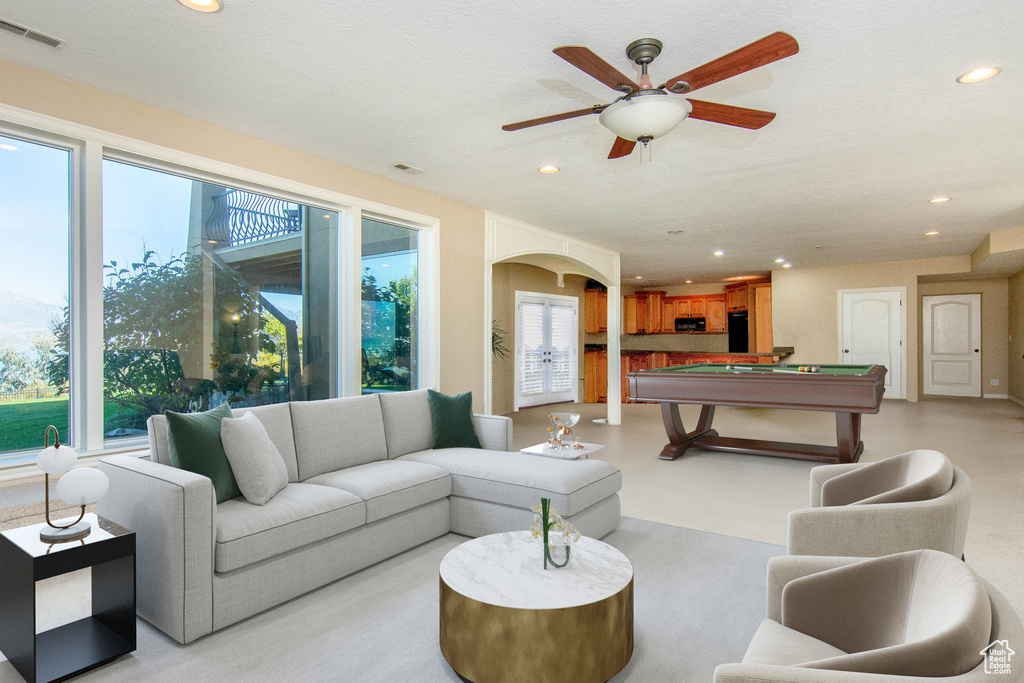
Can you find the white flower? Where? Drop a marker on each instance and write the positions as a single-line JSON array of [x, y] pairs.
[[535, 529], [535, 508], [576, 536]]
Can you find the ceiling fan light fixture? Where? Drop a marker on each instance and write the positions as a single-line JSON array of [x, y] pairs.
[[645, 116]]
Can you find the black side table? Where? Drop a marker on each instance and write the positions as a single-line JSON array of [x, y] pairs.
[[72, 648]]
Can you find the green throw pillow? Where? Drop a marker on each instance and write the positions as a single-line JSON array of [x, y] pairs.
[[193, 444], [453, 420]]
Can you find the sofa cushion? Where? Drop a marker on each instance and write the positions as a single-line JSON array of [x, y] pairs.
[[299, 515], [520, 479], [389, 487], [194, 444], [908, 477], [407, 422], [452, 417], [337, 433], [277, 420], [255, 461], [775, 644]]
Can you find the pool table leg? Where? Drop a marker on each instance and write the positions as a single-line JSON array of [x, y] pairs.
[[848, 437], [679, 440]]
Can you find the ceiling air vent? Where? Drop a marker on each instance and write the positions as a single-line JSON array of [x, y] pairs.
[[25, 32], [408, 169]]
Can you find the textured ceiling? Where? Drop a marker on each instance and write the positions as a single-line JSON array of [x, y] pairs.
[[870, 125]]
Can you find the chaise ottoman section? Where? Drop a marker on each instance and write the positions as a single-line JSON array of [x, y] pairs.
[[521, 480], [388, 486], [298, 515]]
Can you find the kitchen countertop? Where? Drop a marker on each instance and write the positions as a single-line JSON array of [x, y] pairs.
[[781, 352]]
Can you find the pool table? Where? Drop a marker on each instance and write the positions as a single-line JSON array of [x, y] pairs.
[[847, 390]]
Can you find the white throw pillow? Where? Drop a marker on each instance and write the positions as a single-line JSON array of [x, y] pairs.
[[255, 461]]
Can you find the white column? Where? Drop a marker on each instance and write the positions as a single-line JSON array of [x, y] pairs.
[[488, 332], [614, 356], [350, 289]]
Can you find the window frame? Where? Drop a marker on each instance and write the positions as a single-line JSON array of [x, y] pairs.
[[90, 146]]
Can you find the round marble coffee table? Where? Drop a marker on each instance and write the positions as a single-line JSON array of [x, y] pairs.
[[505, 618]]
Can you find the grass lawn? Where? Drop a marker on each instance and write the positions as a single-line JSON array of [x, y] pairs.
[[22, 422]]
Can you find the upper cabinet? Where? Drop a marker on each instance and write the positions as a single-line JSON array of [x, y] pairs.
[[595, 310], [643, 313], [736, 297], [714, 313]]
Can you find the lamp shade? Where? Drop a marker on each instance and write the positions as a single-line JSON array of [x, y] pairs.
[[645, 116], [83, 486], [56, 460]]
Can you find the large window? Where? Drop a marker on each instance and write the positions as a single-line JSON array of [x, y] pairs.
[[211, 295], [136, 280], [34, 277], [389, 307]]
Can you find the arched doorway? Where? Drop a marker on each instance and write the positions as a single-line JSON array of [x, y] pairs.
[[511, 241]]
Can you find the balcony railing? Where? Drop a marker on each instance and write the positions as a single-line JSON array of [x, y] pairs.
[[240, 217]]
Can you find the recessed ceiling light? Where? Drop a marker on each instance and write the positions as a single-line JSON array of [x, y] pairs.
[[719, 253], [202, 5], [9, 148], [548, 168], [327, 215], [689, 282], [639, 277], [932, 233], [787, 265], [780, 260], [384, 265], [213, 241], [938, 200], [817, 246], [981, 74]]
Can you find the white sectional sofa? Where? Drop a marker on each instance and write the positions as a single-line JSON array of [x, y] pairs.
[[364, 484]]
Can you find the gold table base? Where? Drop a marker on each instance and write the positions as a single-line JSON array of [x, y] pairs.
[[489, 644]]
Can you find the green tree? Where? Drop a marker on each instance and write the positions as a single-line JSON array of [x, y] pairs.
[[16, 371]]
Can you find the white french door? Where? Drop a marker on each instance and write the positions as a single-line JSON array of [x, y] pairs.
[[547, 343], [951, 338], [871, 326]]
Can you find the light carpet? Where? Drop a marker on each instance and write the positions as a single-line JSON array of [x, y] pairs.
[[698, 598]]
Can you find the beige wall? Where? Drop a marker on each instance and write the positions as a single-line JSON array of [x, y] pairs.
[[805, 308], [507, 279], [1016, 346], [462, 225], [994, 328]]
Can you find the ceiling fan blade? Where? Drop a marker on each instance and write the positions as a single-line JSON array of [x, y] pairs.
[[586, 61], [765, 51], [730, 115], [621, 148], [596, 109]]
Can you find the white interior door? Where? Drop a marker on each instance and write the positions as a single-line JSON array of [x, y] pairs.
[[547, 342], [952, 344], [871, 332]]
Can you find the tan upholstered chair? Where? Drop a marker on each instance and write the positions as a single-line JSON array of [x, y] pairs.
[[910, 501], [910, 617]]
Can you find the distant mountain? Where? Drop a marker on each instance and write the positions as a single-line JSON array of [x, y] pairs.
[[22, 317]]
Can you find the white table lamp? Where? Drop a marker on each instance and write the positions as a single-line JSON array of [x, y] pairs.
[[77, 487]]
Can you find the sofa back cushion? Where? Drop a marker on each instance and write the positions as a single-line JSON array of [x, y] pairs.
[[407, 422], [276, 420], [337, 433]]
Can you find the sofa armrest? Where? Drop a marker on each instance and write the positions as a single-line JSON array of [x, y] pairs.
[[173, 515], [783, 569], [876, 530], [822, 473], [494, 432]]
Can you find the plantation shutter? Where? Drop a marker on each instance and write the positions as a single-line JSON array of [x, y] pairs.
[[531, 326], [563, 324]]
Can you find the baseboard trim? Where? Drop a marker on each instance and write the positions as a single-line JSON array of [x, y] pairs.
[[1016, 400], [1004, 396]]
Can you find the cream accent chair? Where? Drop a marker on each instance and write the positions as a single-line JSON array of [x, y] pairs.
[[910, 501], [911, 617]]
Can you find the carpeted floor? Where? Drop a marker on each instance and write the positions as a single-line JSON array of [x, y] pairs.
[[699, 597]]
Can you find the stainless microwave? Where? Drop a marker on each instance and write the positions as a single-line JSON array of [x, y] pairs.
[[690, 325]]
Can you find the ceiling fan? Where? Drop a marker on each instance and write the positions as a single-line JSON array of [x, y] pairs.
[[644, 112]]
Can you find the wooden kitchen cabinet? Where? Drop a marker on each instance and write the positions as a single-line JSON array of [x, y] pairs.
[[736, 297], [642, 313], [762, 340], [595, 376], [595, 310], [683, 307], [714, 313], [668, 315], [698, 306]]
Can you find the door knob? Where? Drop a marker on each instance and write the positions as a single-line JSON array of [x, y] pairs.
[[846, 350], [976, 350]]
